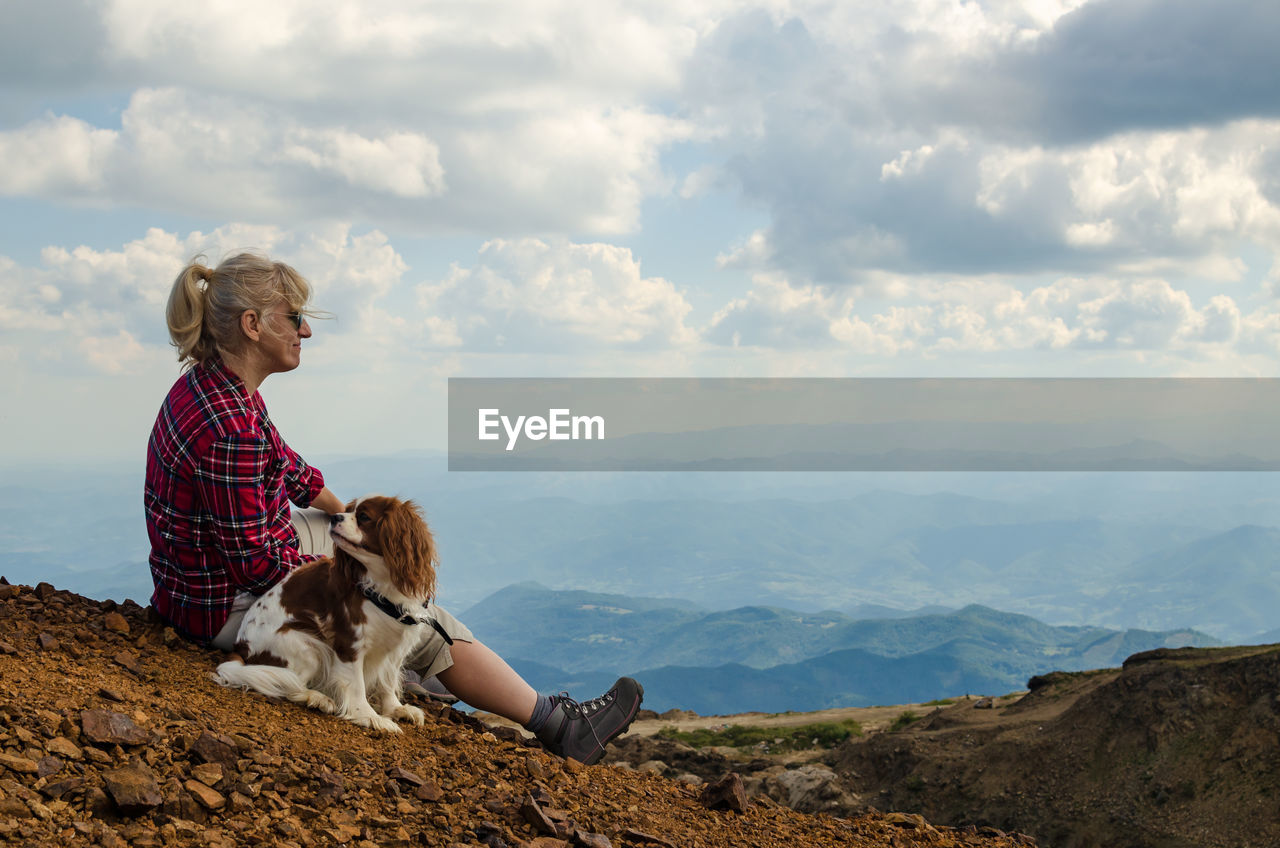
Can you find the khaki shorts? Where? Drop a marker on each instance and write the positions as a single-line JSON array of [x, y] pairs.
[[431, 655]]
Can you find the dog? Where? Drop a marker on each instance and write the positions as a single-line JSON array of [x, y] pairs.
[[336, 631]]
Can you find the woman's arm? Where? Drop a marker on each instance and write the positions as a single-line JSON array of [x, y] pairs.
[[328, 501], [228, 482]]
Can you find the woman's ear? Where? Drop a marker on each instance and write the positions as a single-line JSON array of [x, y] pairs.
[[251, 324]]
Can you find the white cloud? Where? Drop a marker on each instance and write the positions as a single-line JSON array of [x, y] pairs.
[[199, 154], [532, 295], [1192, 187], [212, 155], [775, 314], [908, 137], [505, 120], [905, 148], [929, 319], [347, 271], [494, 117], [404, 164], [57, 156], [499, 55], [118, 354]]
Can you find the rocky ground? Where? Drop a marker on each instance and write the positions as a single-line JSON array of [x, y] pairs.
[[1178, 749], [112, 733]]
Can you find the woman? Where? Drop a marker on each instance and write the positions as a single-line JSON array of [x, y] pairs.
[[220, 480]]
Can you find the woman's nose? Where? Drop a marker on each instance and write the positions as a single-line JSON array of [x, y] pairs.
[[305, 329]]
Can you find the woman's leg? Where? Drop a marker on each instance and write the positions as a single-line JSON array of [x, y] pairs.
[[312, 527], [485, 681]]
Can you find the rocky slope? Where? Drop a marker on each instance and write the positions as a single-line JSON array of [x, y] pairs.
[[1177, 749], [112, 733]]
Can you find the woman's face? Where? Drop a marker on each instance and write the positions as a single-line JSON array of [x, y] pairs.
[[281, 345]]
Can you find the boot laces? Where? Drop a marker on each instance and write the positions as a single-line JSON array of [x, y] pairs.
[[585, 709]]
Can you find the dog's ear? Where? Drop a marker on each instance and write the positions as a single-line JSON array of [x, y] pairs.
[[409, 550]]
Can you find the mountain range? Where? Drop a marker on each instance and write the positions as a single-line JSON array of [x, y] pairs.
[[772, 659]]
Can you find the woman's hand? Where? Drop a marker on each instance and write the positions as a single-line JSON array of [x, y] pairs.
[[328, 501]]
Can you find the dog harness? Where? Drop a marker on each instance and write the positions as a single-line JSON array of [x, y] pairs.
[[398, 612]]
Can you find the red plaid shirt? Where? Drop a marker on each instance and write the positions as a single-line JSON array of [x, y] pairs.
[[219, 482]]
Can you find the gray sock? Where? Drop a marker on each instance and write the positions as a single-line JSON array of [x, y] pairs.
[[541, 712]]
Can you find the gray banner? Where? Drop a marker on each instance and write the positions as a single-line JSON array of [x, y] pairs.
[[863, 424]]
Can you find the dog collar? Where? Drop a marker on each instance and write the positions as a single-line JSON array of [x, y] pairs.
[[398, 612]]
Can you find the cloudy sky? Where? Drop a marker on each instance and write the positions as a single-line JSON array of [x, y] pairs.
[[691, 188]]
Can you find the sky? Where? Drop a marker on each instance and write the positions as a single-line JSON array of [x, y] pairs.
[[1038, 188]]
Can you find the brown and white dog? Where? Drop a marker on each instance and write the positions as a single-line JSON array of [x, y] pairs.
[[336, 632]]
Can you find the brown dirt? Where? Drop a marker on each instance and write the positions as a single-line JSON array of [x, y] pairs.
[[112, 733]]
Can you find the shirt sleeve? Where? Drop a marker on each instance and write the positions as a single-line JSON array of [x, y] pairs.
[[230, 482], [302, 483]]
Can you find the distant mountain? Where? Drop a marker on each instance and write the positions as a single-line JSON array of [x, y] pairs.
[[872, 611], [849, 678], [585, 631], [1271, 637], [772, 659], [1225, 584]]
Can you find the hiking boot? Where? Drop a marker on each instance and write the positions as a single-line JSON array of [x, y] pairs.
[[582, 730]]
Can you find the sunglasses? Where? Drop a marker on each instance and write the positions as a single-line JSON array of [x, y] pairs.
[[295, 318]]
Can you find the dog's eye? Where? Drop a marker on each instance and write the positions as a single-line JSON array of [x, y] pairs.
[[361, 516]]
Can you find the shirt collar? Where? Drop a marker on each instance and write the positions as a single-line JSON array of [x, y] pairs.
[[219, 370]]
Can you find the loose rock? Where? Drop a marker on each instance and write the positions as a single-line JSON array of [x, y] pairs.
[[133, 788], [210, 774], [727, 793], [64, 747], [106, 727], [22, 765], [207, 797], [215, 748]]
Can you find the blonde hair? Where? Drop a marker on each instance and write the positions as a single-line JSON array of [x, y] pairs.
[[205, 304]]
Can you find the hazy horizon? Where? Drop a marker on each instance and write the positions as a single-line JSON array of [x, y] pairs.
[[1059, 547]]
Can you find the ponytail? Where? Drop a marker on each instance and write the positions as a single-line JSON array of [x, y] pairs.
[[185, 314]]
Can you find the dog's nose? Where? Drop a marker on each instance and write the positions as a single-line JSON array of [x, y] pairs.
[[334, 519]]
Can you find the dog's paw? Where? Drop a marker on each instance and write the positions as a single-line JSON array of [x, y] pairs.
[[320, 701], [407, 713], [373, 721]]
